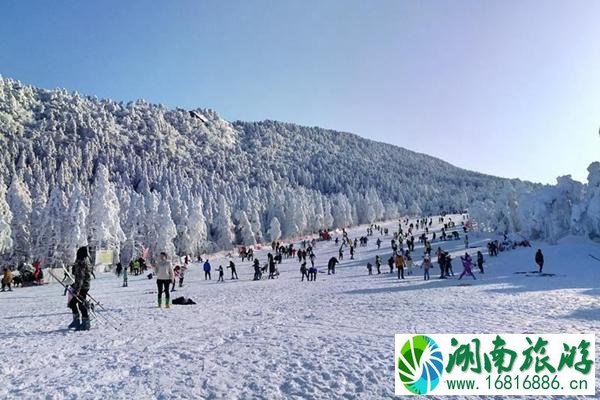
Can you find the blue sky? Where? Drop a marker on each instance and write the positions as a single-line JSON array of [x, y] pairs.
[[510, 88]]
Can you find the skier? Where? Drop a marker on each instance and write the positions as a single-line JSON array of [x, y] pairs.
[[539, 260], [467, 264], [480, 261], [331, 265], [82, 271], [220, 269], [233, 270], [164, 276], [370, 268], [400, 265], [426, 265], [378, 264], [7, 279], [304, 271], [206, 268], [391, 264]]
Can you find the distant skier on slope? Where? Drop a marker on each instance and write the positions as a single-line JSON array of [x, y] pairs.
[[539, 260], [234, 274], [82, 271]]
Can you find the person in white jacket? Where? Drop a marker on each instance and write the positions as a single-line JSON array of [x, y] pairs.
[[164, 275]]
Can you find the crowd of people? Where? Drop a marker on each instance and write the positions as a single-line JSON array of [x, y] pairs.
[[170, 274]]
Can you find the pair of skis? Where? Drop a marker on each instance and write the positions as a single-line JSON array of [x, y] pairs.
[[108, 319]]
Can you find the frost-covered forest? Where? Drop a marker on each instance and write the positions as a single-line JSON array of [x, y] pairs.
[[76, 169]]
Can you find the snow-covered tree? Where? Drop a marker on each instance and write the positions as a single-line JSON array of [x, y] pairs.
[[197, 231], [274, 229], [6, 241], [245, 229], [166, 231], [223, 226], [75, 227], [103, 219], [19, 200]]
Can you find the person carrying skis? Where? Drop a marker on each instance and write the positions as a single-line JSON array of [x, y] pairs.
[[234, 274], [163, 270], [206, 268], [82, 271], [303, 271], [426, 265], [220, 269], [539, 260], [480, 261], [467, 265], [331, 265]]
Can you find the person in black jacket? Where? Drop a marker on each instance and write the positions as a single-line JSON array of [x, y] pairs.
[[82, 272], [539, 260]]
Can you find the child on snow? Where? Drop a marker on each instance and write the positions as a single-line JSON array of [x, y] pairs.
[[467, 264], [426, 265]]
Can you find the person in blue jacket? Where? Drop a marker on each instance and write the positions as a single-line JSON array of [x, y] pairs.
[[206, 270]]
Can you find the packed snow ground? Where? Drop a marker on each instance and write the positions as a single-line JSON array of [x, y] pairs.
[[282, 338]]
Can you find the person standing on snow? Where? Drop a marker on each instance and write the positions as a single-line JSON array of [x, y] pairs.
[[467, 265], [426, 265], [400, 265], [257, 273], [7, 279], [234, 274], [206, 268], [220, 269], [391, 264], [82, 271], [304, 271], [378, 243], [370, 268], [378, 264], [164, 276], [480, 261], [539, 260]]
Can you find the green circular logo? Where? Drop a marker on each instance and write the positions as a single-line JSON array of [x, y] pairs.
[[420, 364]]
